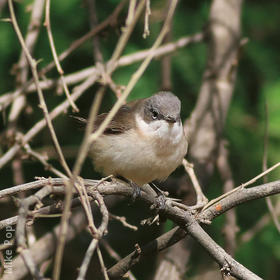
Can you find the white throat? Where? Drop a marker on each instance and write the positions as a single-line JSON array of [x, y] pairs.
[[161, 130]]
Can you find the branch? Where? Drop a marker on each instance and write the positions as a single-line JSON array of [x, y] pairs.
[[33, 66], [125, 60], [20, 230], [30, 41], [183, 218], [44, 248], [6, 99], [77, 92], [56, 60]]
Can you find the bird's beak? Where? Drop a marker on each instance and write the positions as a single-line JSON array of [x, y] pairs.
[[170, 119]]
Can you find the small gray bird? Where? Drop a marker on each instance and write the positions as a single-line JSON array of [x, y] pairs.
[[145, 141]]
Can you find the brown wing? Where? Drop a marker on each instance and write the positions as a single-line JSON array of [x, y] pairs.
[[122, 121], [79, 121]]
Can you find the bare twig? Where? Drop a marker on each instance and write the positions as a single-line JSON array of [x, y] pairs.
[[102, 229], [30, 41], [44, 248], [76, 170], [127, 30], [70, 79], [63, 228], [146, 32], [242, 185], [136, 76], [77, 92], [47, 23], [213, 211], [166, 81], [87, 258], [250, 182], [94, 243], [201, 199], [86, 205], [6, 99], [97, 54], [33, 66], [103, 268], [123, 221], [43, 160], [20, 232], [85, 143]]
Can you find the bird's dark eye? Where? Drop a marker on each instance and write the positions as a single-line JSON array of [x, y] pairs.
[[154, 114]]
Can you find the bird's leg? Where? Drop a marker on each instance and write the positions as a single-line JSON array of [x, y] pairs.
[[136, 189]]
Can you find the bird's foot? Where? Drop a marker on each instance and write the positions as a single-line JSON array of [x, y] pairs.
[[136, 191]]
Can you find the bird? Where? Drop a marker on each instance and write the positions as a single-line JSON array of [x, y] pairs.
[[145, 140]]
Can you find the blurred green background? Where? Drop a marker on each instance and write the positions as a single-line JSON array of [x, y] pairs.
[[258, 83]]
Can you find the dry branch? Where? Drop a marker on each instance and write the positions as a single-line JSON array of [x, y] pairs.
[[183, 218]]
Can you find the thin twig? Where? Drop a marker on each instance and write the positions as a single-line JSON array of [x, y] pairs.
[[125, 60], [30, 41], [87, 258], [242, 185], [86, 205], [6, 99], [136, 76], [77, 92], [63, 229], [146, 32], [44, 162], [103, 268], [260, 175], [76, 170], [47, 24], [33, 66], [20, 231], [94, 243], [127, 30], [83, 150], [123, 221], [93, 20], [201, 199]]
